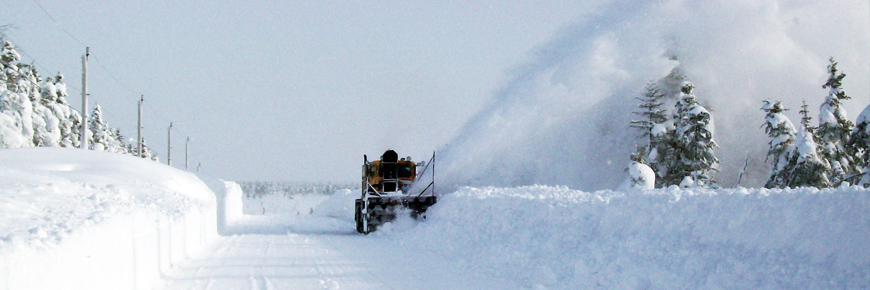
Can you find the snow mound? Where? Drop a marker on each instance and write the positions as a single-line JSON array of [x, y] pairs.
[[82, 219], [558, 238], [640, 176], [49, 193]]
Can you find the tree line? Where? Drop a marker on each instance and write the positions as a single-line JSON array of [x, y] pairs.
[[34, 112], [257, 189], [678, 146]]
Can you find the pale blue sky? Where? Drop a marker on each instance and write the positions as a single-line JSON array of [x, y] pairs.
[[287, 90]]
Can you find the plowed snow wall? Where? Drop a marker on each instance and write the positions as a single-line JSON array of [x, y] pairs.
[[127, 252], [659, 239]]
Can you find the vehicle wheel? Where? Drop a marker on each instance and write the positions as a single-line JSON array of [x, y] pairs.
[[358, 216]]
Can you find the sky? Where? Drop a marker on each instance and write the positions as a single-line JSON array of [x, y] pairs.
[[285, 90], [508, 93]]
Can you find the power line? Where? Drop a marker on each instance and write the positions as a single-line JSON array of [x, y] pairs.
[[111, 75], [117, 80], [58, 24]]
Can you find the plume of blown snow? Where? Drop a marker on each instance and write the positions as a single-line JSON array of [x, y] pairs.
[[561, 118]]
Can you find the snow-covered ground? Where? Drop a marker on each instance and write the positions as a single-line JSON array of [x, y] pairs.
[[75, 219], [557, 238], [552, 237]]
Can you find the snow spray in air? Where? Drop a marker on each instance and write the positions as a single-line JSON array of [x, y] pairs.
[[562, 117]]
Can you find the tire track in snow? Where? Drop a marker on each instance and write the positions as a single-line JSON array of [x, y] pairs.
[[313, 260]]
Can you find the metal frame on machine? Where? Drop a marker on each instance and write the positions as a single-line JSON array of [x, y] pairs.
[[431, 183]]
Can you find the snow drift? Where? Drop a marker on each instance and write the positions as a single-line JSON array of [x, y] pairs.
[[80, 219], [557, 238], [561, 118]]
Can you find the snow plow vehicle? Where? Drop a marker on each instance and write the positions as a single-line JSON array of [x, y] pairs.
[[390, 186]]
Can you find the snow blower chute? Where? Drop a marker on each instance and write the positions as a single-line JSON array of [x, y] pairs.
[[387, 186]]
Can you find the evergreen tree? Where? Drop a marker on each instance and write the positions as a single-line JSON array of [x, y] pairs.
[[8, 59], [99, 130], [859, 145], [662, 155], [146, 152], [105, 138], [67, 116], [806, 120], [75, 135], [16, 109], [117, 145], [782, 133], [651, 112], [834, 128], [33, 112], [652, 127], [29, 82], [808, 168], [692, 141], [46, 122]]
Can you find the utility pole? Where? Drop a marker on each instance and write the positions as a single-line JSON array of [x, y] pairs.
[[84, 137], [186, 155], [139, 129], [169, 146]]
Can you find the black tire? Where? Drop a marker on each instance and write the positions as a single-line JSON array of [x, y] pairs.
[[358, 216]]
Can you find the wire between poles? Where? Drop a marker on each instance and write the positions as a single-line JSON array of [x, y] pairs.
[[113, 76], [83, 45], [58, 24]]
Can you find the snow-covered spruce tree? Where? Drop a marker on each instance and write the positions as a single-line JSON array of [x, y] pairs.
[[652, 127], [146, 152], [693, 142], [33, 112], [49, 100], [834, 128], [105, 138], [806, 120], [11, 126], [650, 111], [808, 169], [66, 115], [99, 130], [46, 131], [8, 59], [75, 135], [782, 133], [16, 123], [116, 142], [859, 145]]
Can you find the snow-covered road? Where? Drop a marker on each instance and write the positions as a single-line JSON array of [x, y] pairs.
[[285, 252]]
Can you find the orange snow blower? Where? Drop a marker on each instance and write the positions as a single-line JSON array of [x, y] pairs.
[[387, 186]]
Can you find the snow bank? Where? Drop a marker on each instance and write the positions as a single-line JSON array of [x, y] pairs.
[[554, 237], [228, 196], [79, 219]]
